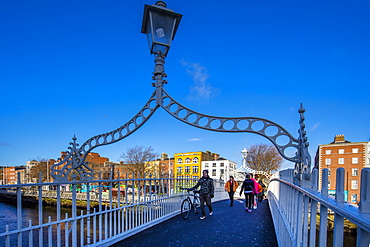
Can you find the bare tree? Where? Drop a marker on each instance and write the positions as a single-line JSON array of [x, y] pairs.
[[262, 157], [136, 159], [42, 166], [35, 170]]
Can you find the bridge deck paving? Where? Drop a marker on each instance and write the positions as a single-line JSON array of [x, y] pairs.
[[228, 226]]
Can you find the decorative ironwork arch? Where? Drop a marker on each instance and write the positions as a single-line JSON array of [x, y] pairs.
[[73, 164]]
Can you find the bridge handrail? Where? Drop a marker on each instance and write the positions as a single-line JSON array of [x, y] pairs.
[[152, 201], [294, 218], [345, 210]]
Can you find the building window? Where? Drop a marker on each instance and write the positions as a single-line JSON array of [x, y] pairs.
[[206, 165], [354, 198], [341, 151], [162, 164], [171, 164], [329, 172], [327, 161], [187, 169], [328, 151], [222, 171], [354, 172], [355, 150], [213, 164], [195, 160], [354, 185], [179, 170], [341, 161], [187, 161], [214, 172], [179, 161], [328, 184], [354, 160], [195, 169], [222, 164]]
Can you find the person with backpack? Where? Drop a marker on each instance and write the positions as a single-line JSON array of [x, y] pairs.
[[248, 188], [261, 190], [255, 191]]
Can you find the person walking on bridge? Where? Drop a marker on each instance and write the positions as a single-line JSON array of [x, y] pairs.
[[231, 186], [206, 192], [248, 188]]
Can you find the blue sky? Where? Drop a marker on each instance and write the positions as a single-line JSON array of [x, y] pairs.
[[83, 68]]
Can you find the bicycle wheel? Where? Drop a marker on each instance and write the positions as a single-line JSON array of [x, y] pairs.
[[196, 205], [185, 209]]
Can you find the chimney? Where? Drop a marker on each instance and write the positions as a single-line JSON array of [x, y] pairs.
[[339, 138], [164, 156]]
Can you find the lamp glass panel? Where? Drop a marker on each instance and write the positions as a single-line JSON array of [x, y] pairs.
[[162, 27]]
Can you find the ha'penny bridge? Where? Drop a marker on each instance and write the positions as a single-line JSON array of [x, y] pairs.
[[296, 212]]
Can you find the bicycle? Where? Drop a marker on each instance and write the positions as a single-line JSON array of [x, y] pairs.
[[187, 204]]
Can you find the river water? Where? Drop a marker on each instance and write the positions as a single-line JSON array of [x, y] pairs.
[[8, 216]]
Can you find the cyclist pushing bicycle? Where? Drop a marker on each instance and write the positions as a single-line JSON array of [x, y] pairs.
[[206, 192]]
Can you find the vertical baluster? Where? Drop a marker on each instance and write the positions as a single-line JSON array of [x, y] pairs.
[[94, 226], [40, 209], [363, 237], [149, 210], [299, 215], [105, 223], [30, 236], [50, 233], [59, 238], [313, 210], [19, 209], [100, 209], [305, 220], [82, 229], [118, 204], [110, 205], [66, 232], [132, 202], [115, 220], [339, 198], [323, 210], [7, 237], [88, 241], [74, 214]]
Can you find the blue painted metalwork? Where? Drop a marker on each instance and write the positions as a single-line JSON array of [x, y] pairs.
[[73, 165]]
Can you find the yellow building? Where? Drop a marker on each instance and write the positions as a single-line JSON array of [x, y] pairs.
[[188, 165]]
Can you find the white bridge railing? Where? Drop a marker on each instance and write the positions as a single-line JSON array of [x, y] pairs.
[[126, 207], [301, 214]]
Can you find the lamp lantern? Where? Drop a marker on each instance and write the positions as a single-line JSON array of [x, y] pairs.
[[160, 25], [244, 153]]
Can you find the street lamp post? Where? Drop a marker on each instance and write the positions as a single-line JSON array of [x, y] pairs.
[[244, 153], [160, 25]]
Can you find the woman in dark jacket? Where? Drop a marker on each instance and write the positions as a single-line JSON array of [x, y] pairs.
[[248, 188]]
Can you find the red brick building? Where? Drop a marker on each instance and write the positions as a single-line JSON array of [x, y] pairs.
[[352, 156]]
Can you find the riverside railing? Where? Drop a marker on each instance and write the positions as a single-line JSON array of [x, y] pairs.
[[131, 206], [300, 214]]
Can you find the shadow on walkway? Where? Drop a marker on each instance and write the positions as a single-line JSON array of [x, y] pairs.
[[228, 226]]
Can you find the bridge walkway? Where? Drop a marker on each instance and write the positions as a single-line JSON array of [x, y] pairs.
[[228, 226]]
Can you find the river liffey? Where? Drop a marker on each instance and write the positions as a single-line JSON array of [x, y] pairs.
[[8, 219]]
